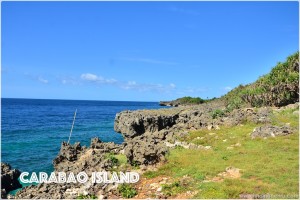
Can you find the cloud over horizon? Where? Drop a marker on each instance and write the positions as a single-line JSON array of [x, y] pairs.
[[141, 87], [98, 79], [127, 85]]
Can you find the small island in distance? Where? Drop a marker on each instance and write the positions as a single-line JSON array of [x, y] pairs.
[[183, 101]]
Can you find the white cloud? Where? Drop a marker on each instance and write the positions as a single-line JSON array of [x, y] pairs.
[[172, 85], [141, 87], [89, 77], [42, 80], [97, 79], [71, 81], [131, 83]]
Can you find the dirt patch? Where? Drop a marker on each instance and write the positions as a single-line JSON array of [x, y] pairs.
[[230, 172], [151, 188], [186, 195]]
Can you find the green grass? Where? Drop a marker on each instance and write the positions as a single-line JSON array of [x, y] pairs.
[[121, 158], [286, 116], [127, 191], [119, 162], [173, 188], [268, 166]]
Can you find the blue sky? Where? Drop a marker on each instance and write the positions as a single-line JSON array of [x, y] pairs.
[[141, 51]]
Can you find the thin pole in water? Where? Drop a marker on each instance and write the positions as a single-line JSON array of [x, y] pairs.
[[72, 126]]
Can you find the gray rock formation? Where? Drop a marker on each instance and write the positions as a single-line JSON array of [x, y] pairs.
[[145, 150], [68, 152], [75, 158], [169, 103], [105, 147], [147, 131], [9, 179], [132, 124], [270, 131]]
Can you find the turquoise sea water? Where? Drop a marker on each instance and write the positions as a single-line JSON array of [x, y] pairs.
[[32, 130]]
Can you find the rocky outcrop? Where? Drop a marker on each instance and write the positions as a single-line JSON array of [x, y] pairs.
[[270, 131], [238, 116], [169, 123], [67, 191], [135, 123], [9, 179], [145, 150], [45, 191], [146, 132], [75, 158], [105, 147], [176, 120], [169, 103], [68, 152]]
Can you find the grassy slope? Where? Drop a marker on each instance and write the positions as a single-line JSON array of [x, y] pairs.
[[277, 88], [268, 166]]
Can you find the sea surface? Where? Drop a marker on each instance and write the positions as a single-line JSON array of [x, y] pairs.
[[32, 130]]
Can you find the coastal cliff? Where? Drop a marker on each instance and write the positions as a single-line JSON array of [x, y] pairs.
[[148, 149], [210, 145]]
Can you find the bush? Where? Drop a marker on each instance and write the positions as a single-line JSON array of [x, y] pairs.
[[172, 189], [190, 100], [113, 159], [278, 88], [127, 191], [217, 113]]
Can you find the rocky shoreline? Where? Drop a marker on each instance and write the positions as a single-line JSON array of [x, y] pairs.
[[148, 136], [9, 179]]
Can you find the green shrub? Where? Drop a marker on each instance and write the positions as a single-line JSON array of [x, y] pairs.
[[127, 191], [278, 88], [135, 164], [217, 113], [113, 159], [190, 100], [172, 189]]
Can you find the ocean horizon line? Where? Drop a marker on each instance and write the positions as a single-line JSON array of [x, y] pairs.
[[21, 98]]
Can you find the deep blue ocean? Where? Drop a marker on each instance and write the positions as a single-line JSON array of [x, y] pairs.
[[32, 130]]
